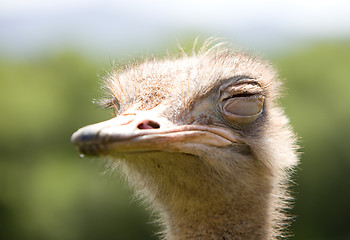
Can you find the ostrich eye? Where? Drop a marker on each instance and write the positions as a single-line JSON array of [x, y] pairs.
[[243, 110]]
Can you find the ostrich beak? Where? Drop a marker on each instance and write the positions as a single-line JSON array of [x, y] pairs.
[[143, 132]]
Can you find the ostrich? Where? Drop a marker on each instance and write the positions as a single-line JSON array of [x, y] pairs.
[[203, 139]]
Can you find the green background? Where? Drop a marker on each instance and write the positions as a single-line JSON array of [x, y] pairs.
[[47, 192]]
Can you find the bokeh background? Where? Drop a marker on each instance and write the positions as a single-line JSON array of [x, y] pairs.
[[53, 52]]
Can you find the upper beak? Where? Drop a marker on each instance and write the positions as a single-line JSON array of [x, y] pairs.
[[143, 131]]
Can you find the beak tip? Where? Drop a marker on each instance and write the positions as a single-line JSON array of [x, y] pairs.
[[74, 138], [84, 135], [80, 136], [79, 139]]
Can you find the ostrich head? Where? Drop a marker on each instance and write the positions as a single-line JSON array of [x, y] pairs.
[[203, 139]]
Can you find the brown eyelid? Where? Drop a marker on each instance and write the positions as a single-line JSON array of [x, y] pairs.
[[252, 81]]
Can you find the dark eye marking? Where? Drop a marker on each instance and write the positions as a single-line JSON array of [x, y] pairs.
[[242, 95]]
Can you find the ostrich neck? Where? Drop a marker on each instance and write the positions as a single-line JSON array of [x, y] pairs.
[[246, 216], [196, 202]]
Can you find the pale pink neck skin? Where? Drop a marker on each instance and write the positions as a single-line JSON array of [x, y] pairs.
[[226, 220], [204, 205]]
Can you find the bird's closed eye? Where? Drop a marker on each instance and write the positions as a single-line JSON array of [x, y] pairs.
[[243, 110], [243, 103]]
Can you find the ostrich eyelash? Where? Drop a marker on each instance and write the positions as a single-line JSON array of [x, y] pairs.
[[108, 103]]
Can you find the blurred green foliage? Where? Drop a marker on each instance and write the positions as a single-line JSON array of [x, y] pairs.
[[48, 192], [318, 104]]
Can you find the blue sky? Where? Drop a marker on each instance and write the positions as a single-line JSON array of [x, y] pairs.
[[107, 28]]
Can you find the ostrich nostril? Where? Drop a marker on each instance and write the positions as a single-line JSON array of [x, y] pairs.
[[148, 124]]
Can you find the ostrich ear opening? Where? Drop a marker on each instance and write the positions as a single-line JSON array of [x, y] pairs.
[[243, 110]]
